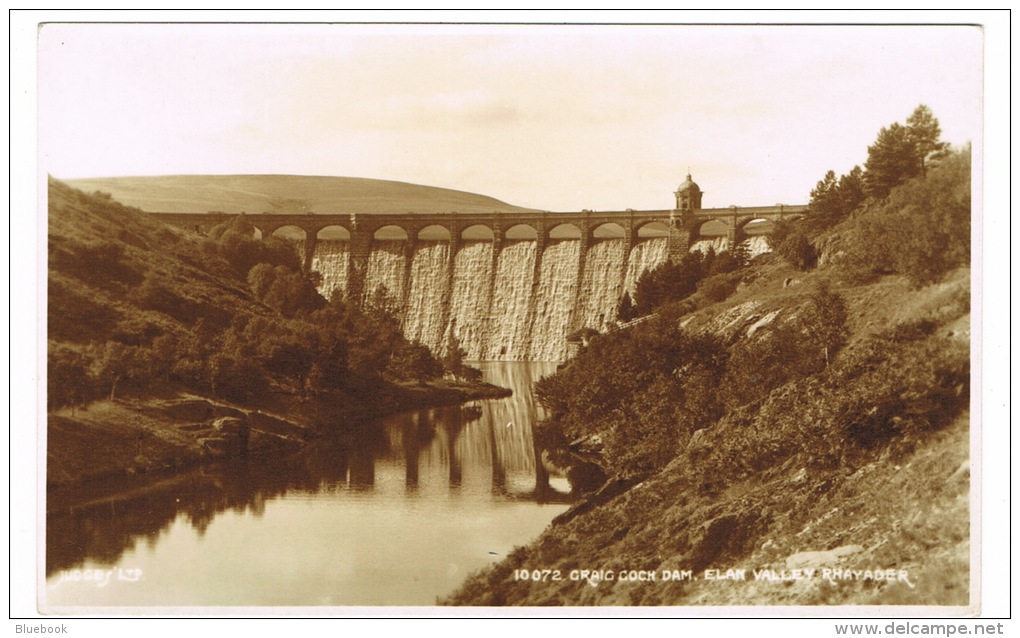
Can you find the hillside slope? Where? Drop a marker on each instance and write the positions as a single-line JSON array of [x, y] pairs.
[[167, 348], [286, 194], [862, 470]]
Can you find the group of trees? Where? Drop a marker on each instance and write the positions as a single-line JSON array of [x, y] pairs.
[[644, 391], [922, 229], [675, 281], [299, 343], [910, 205], [901, 152]]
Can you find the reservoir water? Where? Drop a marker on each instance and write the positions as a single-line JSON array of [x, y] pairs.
[[398, 513]]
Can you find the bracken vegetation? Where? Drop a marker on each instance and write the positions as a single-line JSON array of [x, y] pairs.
[[136, 306], [758, 403]]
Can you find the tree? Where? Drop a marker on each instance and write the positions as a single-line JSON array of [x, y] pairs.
[[414, 361], [739, 253], [924, 133], [113, 362], [825, 322], [288, 291], [669, 282], [625, 311], [260, 278], [902, 152], [892, 160], [797, 250], [825, 198], [922, 230], [851, 191], [453, 361], [67, 378]]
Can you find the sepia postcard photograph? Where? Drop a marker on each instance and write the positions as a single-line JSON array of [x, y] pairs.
[[469, 317]]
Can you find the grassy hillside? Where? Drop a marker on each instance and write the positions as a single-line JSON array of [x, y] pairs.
[[161, 342], [863, 466], [798, 436], [286, 194]]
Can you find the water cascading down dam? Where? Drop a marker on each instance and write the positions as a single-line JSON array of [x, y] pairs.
[[510, 300], [506, 287]]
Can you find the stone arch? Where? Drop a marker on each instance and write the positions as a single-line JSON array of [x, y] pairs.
[[758, 226], [333, 232], [477, 232], [714, 228], [389, 232], [521, 231], [564, 231], [608, 230], [290, 232], [257, 232], [651, 229], [434, 232]]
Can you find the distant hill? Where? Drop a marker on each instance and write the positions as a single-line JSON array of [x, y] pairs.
[[286, 194]]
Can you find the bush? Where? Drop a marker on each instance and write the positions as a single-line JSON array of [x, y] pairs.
[[413, 361], [67, 379], [288, 291], [922, 230], [719, 287], [798, 251], [642, 391], [236, 379], [670, 282]]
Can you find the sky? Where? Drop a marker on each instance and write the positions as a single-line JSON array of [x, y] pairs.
[[554, 117]]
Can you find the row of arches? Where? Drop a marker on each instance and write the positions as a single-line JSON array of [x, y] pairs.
[[478, 232], [481, 232]]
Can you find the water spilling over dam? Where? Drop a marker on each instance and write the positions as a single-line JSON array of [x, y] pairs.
[[514, 304], [505, 286]]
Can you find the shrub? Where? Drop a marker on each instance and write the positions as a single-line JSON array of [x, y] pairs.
[[642, 391], [922, 230], [413, 361], [719, 287], [67, 379], [798, 251]]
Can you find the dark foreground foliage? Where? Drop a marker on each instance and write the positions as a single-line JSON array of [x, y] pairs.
[[135, 305]]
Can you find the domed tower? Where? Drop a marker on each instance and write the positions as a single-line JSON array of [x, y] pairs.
[[688, 195]]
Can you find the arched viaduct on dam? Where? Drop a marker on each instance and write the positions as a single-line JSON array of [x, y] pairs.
[[508, 286]]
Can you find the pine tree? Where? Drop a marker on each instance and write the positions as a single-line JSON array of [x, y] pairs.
[[892, 160], [902, 152], [851, 190], [924, 132], [825, 196]]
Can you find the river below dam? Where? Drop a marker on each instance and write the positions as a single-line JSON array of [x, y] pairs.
[[398, 513]]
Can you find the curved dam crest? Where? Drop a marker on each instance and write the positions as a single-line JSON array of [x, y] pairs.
[[504, 286]]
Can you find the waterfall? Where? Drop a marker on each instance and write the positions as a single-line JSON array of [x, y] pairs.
[[470, 297], [601, 284], [645, 255], [514, 305], [386, 265], [508, 334], [332, 260], [757, 245], [718, 244], [424, 319], [554, 300]]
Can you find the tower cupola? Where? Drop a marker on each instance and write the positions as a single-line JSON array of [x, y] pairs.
[[688, 195]]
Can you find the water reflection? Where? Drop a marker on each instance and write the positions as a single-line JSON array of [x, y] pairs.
[[456, 471]]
